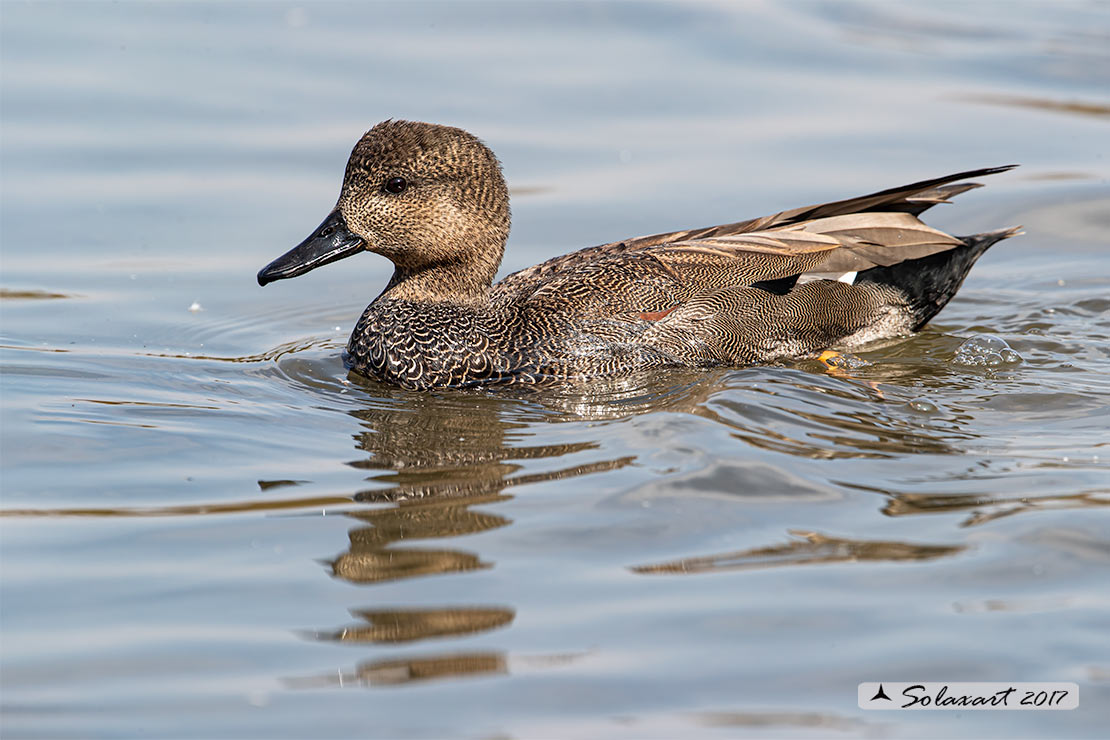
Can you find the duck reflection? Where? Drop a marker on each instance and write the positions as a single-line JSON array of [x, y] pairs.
[[455, 445], [404, 625], [371, 559], [983, 508], [439, 456], [988, 508], [798, 411], [438, 464], [809, 548], [410, 670], [435, 457], [408, 625]]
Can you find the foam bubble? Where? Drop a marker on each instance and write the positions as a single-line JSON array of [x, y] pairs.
[[924, 406], [844, 360], [986, 350]]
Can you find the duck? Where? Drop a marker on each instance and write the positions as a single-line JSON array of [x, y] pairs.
[[433, 200]]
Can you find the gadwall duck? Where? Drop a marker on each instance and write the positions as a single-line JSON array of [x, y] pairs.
[[432, 199]]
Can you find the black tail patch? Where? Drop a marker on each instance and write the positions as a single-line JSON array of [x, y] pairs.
[[930, 282]]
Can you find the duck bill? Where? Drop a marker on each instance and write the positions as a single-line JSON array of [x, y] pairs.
[[331, 241]]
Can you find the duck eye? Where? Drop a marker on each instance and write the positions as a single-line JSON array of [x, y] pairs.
[[395, 185]]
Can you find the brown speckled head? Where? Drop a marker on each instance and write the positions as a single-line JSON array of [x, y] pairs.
[[428, 197]]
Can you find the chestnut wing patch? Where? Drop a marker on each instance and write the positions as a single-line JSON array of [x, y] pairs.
[[656, 315]]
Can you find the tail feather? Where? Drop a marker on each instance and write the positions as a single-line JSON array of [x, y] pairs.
[[930, 282], [923, 201], [903, 198]]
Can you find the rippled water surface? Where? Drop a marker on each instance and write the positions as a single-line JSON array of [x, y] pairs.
[[209, 529]]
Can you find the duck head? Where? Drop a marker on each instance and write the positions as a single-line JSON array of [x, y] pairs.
[[430, 198]]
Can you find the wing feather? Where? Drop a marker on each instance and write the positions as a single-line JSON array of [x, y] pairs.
[[880, 229]]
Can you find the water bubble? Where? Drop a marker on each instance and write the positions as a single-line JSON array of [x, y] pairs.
[[986, 350], [924, 406], [842, 360]]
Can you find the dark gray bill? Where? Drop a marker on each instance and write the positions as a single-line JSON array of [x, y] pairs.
[[330, 242]]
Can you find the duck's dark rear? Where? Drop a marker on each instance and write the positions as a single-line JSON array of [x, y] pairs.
[[930, 282]]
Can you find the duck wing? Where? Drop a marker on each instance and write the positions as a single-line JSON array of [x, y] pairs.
[[649, 282], [829, 247], [847, 235]]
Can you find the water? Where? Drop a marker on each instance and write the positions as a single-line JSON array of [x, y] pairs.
[[209, 529]]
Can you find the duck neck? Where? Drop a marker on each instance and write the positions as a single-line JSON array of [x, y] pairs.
[[460, 271], [442, 283]]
